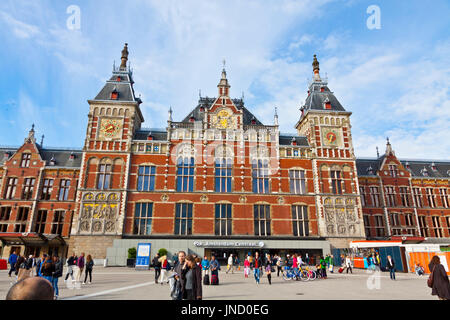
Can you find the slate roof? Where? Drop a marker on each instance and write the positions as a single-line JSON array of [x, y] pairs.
[[158, 134], [61, 156], [207, 103], [316, 98], [416, 167], [286, 140], [124, 87]]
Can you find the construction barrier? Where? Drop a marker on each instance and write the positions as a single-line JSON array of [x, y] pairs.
[[424, 258]]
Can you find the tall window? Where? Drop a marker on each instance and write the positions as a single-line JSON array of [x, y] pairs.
[[146, 178], [336, 182], [21, 219], [404, 194], [379, 226], [223, 174], [11, 188], [390, 196], [447, 219], [104, 177], [444, 197], [58, 222], [183, 219], [393, 170], [431, 197], [28, 187], [409, 220], [5, 213], [260, 173], [423, 226], [64, 190], [47, 189], [362, 192], [375, 196], [143, 214], [437, 227], [300, 221], [297, 181], [418, 197], [223, 221], [367, 225], [185, 174], [25, 163], [396, 227], [40, 221], [262, 220]]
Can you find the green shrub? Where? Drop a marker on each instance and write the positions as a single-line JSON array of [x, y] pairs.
[[132, 252], [162, 252]]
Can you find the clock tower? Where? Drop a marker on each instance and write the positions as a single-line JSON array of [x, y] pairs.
[[114, 116], [326, 125]]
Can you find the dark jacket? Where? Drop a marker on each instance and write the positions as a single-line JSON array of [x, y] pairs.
[[260, 265], [58, 269], [390, 266], [196, 282], [29, 263], [19, 262], [156, 264], [72, 261], [48, 269], [441, 285], [90, 265]]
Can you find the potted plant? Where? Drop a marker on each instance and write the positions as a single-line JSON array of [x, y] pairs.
[[131, 261]]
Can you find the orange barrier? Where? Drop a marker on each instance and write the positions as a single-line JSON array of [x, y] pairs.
[[424, 258], [358, 263], [3, 264]]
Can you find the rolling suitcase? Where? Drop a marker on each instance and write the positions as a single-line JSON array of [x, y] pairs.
[[206, 280], [214, 279], [341, 270]]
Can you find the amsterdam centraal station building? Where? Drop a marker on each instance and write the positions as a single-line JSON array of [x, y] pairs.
[[215, 182]]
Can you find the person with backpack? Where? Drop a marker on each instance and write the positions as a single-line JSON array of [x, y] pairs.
[[165, 266], [12, 263], [71, 262], [89, 266], [157, 265], [57, 274]]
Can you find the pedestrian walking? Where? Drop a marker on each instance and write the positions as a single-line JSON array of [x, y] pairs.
[[307, 259], [246, 267], [438, 280], [20, 267], [164, 266], [37, 265], [80, 265], [214, 267], [294, 263], [331, 261], [157, 265], [205, 266], [390, 265], [12, 263], [47, 269], [348, 264], [192, 275], [71, 262], [178, 268], [89, 266], [230, 265], [43, 260], [258, 267], [57, 274], [268, 268], [323, 267], [279, 266]]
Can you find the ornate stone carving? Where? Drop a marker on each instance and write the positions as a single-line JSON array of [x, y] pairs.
[[204, 198], [330, 229], [280, 200], [242, 199], [99, 212], [341, 229]]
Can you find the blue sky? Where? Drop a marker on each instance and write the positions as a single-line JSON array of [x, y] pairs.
[[395, 80]]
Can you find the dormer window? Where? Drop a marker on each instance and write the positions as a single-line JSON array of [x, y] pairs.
[[407, 165], [25, 163], [327, 104], [114, 94], [72, 156], [424, 172], [150, 136], [322, 89], [192, 119], [293, 142], [119, 79], [6, 155], [202, 109], [433, 166], [253, 120], [53, 161], [393, 170], [370, 170]]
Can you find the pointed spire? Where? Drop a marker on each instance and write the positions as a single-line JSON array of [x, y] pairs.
[[30, 137], [223, 85], [124, 58], [170, 114], [316, 69], [378, 153], [42, 141], [276, 116], [389, 150]]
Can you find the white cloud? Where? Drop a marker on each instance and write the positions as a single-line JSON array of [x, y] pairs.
[[20, 29]]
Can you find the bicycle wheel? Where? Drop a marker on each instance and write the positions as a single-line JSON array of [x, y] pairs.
[[304, 276], [285, 275], [312, 275]]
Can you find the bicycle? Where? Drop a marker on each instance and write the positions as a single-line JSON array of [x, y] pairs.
[[290, 274], [311, 274]]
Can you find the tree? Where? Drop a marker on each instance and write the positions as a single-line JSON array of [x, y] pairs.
[[132, 252], [162, 252]]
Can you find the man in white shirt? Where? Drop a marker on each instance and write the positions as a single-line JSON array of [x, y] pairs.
[[230, 264]]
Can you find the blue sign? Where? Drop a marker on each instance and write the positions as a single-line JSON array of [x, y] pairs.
[[143, 255]]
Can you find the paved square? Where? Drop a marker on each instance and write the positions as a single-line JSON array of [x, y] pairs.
[[128, 284]]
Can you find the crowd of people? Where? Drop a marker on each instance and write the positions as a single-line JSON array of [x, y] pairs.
[[49, 268]]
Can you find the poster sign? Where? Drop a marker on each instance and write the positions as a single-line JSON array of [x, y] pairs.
[[444, 262], [143, 255]]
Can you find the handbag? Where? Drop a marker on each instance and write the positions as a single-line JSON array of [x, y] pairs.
[[430, 280]]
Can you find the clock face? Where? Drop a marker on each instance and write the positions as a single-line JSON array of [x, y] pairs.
[[110, 128], [331, 137]]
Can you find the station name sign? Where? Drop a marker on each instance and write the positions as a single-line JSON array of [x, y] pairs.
[[230, 244]]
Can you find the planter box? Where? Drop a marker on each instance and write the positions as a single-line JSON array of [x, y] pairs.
[[131, 263]]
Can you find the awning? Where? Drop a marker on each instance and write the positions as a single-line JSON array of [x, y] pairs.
[[408, 239], [30, 239]]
